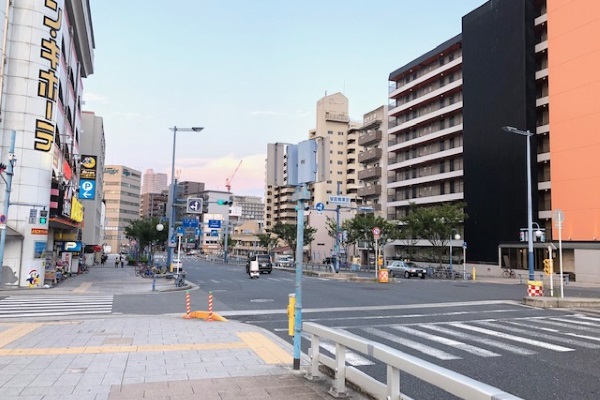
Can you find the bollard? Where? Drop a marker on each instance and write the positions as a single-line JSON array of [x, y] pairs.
[[290, 310], [154, 282], [188, 304], [474, 273], [210, 304]]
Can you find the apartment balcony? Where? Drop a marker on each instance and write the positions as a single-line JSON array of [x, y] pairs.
[[451, 109], [369, 155], [371, 190], [369, 173], [370, 138], [395, 89], [426, 98]]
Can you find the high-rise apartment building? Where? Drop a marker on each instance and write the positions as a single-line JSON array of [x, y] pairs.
[[247, 208], [48, 50], [526, 64], [154, 205], [122, 187], [153, 182]]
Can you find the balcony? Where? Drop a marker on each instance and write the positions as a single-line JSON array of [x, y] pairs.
[[369, 173], [369, 155], [337, 117], [370, 138], [371, 190]]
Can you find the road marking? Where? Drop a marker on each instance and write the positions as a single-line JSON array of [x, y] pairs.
[[574, 321], [265, 348], [506, 336], [83, 287], [449, 342], [544, 335], [16, 332], [490, 342], [428, 350], [21, 306], [352, 358]]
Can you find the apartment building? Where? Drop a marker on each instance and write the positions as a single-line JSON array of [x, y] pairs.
[[122, 187], [48, 50], [154, 205], [153, 182], [521, 64], [247, 208]]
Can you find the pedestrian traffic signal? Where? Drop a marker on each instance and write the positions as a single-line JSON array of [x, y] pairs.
[[548, 266], [43, 217]]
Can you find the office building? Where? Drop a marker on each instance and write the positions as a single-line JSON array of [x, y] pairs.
[[122, 187]]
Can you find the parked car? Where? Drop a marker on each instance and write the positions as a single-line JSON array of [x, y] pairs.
[[406, 269], [285, 261], [264, 263]]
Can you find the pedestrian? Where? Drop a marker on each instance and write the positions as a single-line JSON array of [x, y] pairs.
[[102, 260], [117, 262], [122, 261]]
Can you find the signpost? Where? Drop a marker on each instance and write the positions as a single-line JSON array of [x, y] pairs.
[[194, 205], [376, 235], [320, 207], [559, 218]]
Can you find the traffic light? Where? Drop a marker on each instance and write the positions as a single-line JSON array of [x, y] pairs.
[[43, 217], [548, 266], [224, 202]]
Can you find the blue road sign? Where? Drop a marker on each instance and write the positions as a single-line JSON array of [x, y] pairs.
[[190, 222], [198, 232], [320, 207], [214, 232], [194, 205], [214, 223], [180, 230], [87, 189]]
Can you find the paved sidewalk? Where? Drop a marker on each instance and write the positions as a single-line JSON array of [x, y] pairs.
[[132, 357]]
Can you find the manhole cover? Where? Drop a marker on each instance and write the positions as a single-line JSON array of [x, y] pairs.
[[261, 300]]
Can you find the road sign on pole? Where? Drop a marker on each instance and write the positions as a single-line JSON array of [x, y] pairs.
[[320, 207], [376, 232], [194, 205]]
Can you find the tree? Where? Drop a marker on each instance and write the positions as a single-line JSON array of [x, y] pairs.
[[435, 223], [361, 228], [266, 240], [145, 233], [331, 226], [288, 234]]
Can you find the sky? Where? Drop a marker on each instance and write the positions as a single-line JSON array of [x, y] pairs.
[[249, 72]]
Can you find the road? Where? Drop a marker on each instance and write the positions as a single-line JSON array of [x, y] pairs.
[[477, 329]]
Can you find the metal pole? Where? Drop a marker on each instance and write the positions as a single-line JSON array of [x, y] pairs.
[[226, 238], [464, 262], [299, 267], [562, 278], [451, 276], [337, 233], [9, 176], [529, 209], [171, 213]]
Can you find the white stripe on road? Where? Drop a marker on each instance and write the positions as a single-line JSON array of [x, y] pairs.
[[529, 331], [490, 342], [506, 336], [428, 350], [449, 342], [574, 321], [351, 357]]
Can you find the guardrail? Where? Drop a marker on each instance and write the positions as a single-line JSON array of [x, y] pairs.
[[396, 361]]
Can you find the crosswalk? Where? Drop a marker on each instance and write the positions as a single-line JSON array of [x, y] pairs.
[[49, 306], [455, 340]]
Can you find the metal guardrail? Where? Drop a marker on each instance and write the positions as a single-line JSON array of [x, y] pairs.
[[396, 361]]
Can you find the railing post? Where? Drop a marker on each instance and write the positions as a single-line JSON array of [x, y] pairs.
[[314, 374], [393, 383], [339, 388]]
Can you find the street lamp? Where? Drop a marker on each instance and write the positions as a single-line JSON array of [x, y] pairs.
[[456, 237], [529, 207], [171, 213]]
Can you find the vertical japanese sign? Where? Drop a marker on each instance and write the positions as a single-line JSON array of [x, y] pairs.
[[47, 77], [87, 183]]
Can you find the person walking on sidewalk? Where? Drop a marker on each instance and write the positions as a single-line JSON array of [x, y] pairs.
[[122, 260], [117, 262]]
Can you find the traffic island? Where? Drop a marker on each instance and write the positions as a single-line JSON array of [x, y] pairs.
[[565, 302]]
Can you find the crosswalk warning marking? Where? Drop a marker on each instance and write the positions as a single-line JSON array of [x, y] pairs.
[[423, 348]]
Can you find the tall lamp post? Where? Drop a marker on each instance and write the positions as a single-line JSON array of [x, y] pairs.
[[457, 237], [171, 213], [528, 135]]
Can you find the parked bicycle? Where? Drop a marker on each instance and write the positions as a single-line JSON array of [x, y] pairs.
[[508, 273]]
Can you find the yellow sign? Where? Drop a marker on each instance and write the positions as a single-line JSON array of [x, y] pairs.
[[39, 231], [76, 210]]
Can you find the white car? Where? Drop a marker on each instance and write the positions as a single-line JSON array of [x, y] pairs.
[[406, 269], [285, 261]]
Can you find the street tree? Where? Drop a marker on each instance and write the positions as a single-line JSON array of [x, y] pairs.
[[144, 231], [267, 241], [360, 228], [332, 231], [288, 234], [435, 224]]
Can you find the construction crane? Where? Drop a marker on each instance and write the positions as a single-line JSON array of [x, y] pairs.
[[228, 180]]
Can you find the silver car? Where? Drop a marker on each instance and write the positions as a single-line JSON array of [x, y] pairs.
[[406, 269]]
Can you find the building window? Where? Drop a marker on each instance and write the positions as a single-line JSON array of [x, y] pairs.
[[442, 146], [330, 132], [442, 167], [451, 186], [442, 188]]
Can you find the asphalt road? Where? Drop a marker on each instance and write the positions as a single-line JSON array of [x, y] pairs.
[[477, 329]]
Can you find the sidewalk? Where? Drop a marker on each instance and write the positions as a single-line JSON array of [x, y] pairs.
[[144, 357]]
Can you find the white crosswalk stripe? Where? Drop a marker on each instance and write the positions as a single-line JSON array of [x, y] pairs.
[[351, 357], [451, 340], [42, 306]]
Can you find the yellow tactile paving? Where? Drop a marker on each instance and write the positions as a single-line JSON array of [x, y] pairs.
[[17, 332], [266, 349], [121, 349], [83, 287]]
